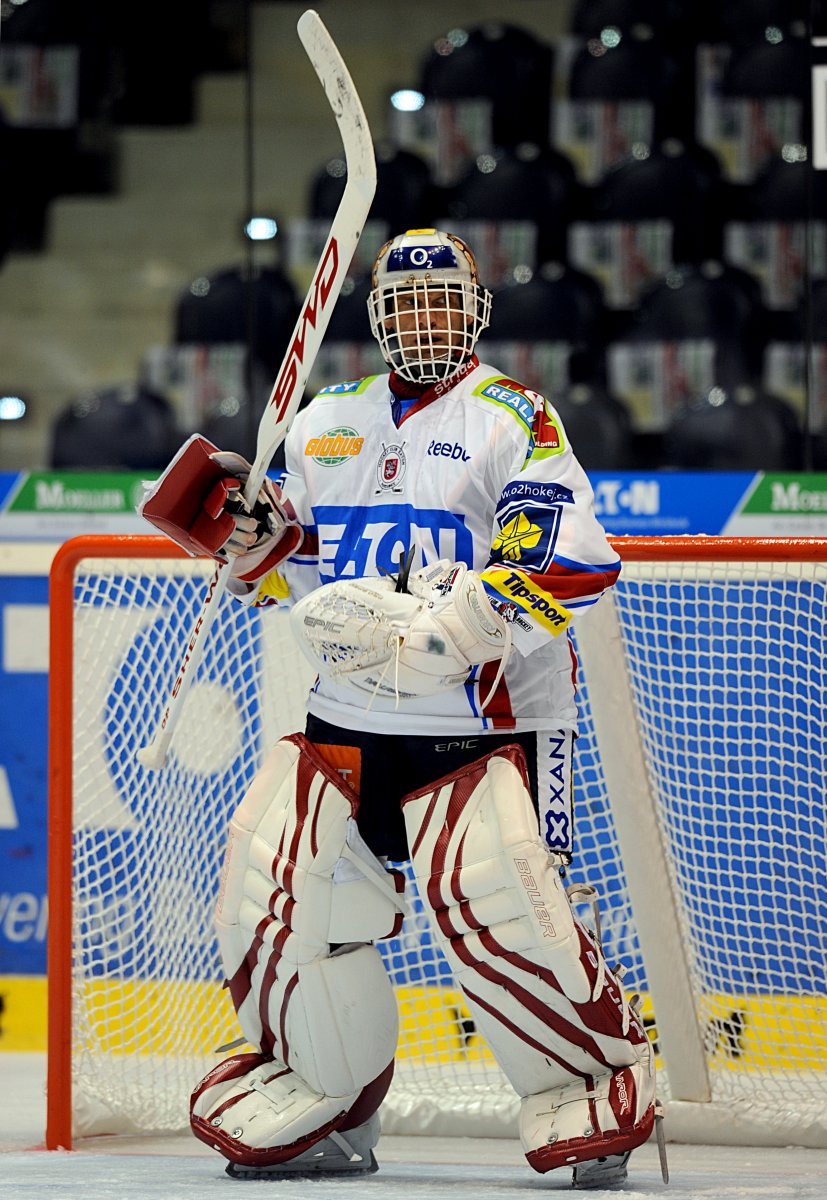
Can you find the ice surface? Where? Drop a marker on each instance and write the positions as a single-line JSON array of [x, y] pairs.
[[180, 1168]]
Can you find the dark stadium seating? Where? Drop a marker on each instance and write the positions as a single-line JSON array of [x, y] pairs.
[[527, 183], [503, 63], [739, 429], [127, 428], [224, 306]]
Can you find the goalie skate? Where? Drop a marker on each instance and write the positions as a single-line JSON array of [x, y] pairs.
[[606, 1172], [347, 1153]]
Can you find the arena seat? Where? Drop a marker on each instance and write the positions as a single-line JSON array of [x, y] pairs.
[[676, 181], [737, 429], [558, 304], [526, 183], [404, 191], [598, 427], [636, 68], [215, 309], [120, 428], [503, 63]]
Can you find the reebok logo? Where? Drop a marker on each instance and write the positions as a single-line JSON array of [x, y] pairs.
[[451, 450]]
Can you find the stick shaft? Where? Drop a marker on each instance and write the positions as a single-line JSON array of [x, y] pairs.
[[305, 341]]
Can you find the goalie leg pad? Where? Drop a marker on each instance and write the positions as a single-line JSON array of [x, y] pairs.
[[298, 881], [535, 980], [260, 1114], [299, 897]]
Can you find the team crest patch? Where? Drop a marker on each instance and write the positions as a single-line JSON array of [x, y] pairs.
[[334, 447], [391, 468], [517, 535]]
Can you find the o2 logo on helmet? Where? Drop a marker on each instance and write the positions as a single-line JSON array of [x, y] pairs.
[[422, 258], [391, 468]]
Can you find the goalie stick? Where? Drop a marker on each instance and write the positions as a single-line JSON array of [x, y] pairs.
[[305, 340]]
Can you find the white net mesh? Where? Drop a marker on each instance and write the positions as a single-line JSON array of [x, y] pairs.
[[727, 677]]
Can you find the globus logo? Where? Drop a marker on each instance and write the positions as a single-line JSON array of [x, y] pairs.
[[334, 447]]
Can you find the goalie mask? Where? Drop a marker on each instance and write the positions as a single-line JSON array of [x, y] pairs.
[[427, 308]]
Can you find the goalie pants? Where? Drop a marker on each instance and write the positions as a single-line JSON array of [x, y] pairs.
[[383, 768]]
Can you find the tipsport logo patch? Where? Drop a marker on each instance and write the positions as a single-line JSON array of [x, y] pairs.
[[334, 447], [513, 585]]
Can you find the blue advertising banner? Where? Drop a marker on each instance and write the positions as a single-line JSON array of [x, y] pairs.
[[668, 503], [23, 758]]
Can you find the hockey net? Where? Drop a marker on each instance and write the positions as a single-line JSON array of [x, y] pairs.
[[702, 703]]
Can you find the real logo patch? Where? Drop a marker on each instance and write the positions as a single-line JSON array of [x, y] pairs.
[[334, 447]]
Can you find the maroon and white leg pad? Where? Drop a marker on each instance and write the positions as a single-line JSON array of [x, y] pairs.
[[535, 980], [299, 899]]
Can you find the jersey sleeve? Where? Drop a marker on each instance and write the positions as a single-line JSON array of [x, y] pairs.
[[550, 560]]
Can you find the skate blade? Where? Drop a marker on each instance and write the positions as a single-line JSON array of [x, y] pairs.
[[302, 1166], [660, 1137], [608, 1171]]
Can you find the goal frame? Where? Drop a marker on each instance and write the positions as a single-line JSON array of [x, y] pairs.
[[61, 802], [691, 1114]]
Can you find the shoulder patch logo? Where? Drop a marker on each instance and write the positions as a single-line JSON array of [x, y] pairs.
[[517, 535], [347, 388], [547, 437], [334, 447], [508, 394]]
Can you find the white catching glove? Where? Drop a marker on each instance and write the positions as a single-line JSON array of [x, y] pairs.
[[364, 633]]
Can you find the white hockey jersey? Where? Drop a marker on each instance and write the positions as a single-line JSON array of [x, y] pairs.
[[480, 473]]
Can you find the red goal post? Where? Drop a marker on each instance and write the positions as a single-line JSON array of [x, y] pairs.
[[699, 817]]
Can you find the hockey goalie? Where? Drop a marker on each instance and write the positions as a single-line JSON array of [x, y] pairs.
[[434, 537]]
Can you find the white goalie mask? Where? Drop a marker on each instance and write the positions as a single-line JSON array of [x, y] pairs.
[[427, 308]]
